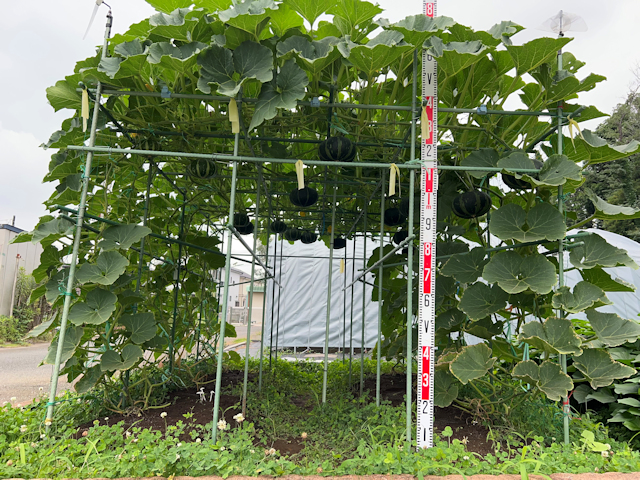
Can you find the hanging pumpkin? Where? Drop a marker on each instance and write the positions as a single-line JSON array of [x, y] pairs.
[[308, 237], [339, 243], [517, 183], [292, 234], [471, 204], [202, 168], [242, 223], [393, 217], [400, 236], [277, 226], [337, 149], [304, 197]]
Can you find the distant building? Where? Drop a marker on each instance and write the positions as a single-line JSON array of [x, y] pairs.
[[238, 302], [12, 257]]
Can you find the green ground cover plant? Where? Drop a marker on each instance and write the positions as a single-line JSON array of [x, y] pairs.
[[348, 435]]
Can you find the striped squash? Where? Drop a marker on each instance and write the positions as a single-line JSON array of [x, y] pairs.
[[337, 149], [471, 204]]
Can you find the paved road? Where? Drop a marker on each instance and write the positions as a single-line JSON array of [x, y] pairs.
[[20, 375]]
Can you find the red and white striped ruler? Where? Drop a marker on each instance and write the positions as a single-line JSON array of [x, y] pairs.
[[428, 219]]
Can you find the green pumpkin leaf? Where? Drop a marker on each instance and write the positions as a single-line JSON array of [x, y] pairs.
[[42, 328], [168, 6], [472, 362], [112, 360], [612, 329], [445, 389], [515, 274], [142, 326], [481, 300], [485, 328], [455, 56], [597, 252], [56, 285], [379, 52], [95, 310], [555, 335], [534, 53], [466, 267], [600, 369], [450, 320], [63, 95], [602, 395], [548, 377], [584, 296], [600, 278], [417, 28], [315, 55], [181, 58], [291, 83], [484, 157], [556, 171], [311, 9], [593, 149], [349, 14], [72, 338], [221, 66], [607, 211], [88, 380], [542, 222], [56, 228], [122, 236], [107, 269]]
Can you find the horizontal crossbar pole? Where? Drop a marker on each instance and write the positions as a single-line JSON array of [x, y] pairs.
[[253, 254], [292, 161]]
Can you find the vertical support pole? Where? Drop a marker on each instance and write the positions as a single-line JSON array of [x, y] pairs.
[[76, 238], [563, 358], [364, 301], [279, 295], [353, 274], [412, 181], [253, 276], [273, 300], [326, 331], [176, 290], [380, 274], [264, 304], [344, 305], [225, 301]]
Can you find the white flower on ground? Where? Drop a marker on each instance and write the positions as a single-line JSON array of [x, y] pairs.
[[198, 440], [272, 451], [177, 457], [106, 419], [605, 454], [23, 428], [222, 449], [464, 440], [47, 422], [163, 415], [222, 425], [40, 389], [465, 457], [135, 440], [127, 433], [304, 435], [239, 418], [179, 444], [42, 436], [13, 399]]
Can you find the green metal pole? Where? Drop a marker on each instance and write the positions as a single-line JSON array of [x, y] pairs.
[[364, 303], [353, 273], [412, 181], [326, 331], [225, 300], [563, 358], [76, 238], [264, 307], [253, 276], [176, 292], [380, 273]]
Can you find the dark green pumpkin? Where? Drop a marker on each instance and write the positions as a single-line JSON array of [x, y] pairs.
[[304, 197], [292, 234], [308, 237], [400, 236], [517, 183], [337, 149], [242, 223], [339, 243], [471, 204], [393, 216], [278, 226], [246, 230], [202, 168]]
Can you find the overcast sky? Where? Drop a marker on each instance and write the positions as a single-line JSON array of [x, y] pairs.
[[40, 42]]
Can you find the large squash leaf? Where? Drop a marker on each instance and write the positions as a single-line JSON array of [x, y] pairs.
[[542, 222], [481, 300], [108, 267], [548, 377], [472, 362], [555, 335], [612, 329], [516, 274], [596, 252], [600, 369], [95, 310]]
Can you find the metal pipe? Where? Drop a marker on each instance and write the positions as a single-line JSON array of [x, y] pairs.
[[176, 290], [253, 274], [76, 239], [264, 308], [412, 181], [253, 254], [326, 331], [292, 161], [364, 294], [225, 300], [358, 106], [380, 273], [377, 264]]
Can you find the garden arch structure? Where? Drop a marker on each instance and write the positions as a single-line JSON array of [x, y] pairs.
[[263, 172]]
